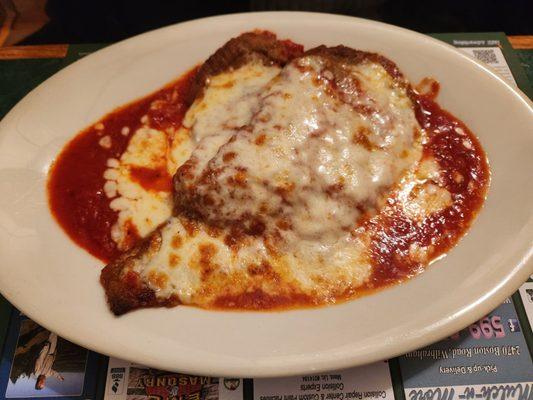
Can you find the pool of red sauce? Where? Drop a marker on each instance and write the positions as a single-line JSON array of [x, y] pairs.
[[394, 233], [80, 206], [76, 179], [152, 179]]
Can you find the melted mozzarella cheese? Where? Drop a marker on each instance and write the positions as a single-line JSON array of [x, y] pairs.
[[300, 156], [299, 140], [199, 267], [137, 207], [229, 100], [422, 192], [226, 101], [307, 156]]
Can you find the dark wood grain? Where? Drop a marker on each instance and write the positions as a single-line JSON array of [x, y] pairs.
[[38, 51], [521, 42]]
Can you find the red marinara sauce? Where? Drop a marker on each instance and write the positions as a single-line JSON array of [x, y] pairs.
[[464, 173], [76, 179]]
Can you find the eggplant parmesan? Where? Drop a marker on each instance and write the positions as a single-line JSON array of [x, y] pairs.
[[270, 178]]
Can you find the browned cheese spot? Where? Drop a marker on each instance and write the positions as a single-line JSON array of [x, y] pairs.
[[264, 118], [173, 260], [264, 271], [416, 133], [361, 137], [228, 85], [132, 235], [176, 242], [157, 279], [238, 179], [206, 253], [336, 188], [260, 140], [213, 231], [191, 227], [284, 224], [229, 156], [285, 189]]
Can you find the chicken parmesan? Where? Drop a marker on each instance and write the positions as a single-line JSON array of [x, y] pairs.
[[270, 177]]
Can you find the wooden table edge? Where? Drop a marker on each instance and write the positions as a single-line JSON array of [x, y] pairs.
[[521, 41], [36, 51]]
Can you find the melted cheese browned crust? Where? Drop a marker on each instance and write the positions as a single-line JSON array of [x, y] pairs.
[[141, 209], [333, 133], [285, 166], [251, 59], [250, 47]]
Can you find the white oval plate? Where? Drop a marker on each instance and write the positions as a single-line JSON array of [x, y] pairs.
[[56, 283]]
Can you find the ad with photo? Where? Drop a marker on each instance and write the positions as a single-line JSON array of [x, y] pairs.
[[39, 363]]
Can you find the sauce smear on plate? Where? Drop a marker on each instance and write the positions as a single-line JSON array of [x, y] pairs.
[[76, 181]]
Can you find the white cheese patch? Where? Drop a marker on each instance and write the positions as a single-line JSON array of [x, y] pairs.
[[180, 149], [145, 148], [229, 100], [228, 103], [428, 170], [420, 253], [136, 206], [427, 199], [110, 188], [421, 192], [105, 142], [113, 163]]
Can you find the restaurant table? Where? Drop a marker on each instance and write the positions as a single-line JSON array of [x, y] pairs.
[[490, 359]]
